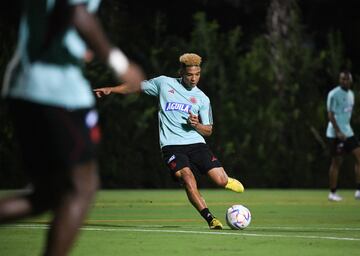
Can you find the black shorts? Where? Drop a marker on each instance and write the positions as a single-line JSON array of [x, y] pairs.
[[338, 147], [52, 139], [198, 157]]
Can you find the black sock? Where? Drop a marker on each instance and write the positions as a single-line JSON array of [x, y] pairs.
[[206, 214], [333, 190], [358, 186]]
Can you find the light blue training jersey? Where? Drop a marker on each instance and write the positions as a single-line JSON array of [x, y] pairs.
[[49, 75], [341, 103], [175, 103]]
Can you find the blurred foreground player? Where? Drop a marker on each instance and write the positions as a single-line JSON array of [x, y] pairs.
[[52, 106], [185, 117], [340, 103]]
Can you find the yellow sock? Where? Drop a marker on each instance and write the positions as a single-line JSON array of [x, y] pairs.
[[234, 185]]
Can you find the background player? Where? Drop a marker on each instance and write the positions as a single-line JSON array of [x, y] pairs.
[[340, 103]]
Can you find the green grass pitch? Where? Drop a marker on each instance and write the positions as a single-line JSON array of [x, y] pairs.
[[163, 223]]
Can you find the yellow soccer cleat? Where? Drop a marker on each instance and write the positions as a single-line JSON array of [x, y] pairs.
[[215, 224], [234, 185]]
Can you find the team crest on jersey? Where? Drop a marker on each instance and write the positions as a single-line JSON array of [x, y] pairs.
[[193, 100], [176, 106], [171, 91]]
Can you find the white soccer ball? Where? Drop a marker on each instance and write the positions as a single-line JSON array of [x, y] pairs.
[[238, 217]]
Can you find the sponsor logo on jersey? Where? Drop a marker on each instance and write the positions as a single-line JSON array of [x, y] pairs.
[[175, 106]]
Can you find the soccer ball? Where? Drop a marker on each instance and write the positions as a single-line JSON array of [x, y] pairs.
[[238, 217]]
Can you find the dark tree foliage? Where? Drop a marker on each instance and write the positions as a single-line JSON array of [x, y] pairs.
[[266, 71]]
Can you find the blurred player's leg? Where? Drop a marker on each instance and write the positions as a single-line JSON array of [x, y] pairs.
[[72, 209]]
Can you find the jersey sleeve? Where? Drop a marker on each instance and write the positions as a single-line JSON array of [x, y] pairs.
[[92, 5], [152, 86], [330, 103], [77, 2], [205, 113]]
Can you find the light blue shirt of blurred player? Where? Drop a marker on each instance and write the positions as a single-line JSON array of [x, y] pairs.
[[51, 76], [341, 103], [175, 103]]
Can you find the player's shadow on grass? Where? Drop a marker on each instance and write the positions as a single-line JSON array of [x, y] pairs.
[[288, 230], [102, 225], [129, 226]]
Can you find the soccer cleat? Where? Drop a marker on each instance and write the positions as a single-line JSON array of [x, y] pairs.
[[215, 224], [234, 185], [334, 197], [357, 194]]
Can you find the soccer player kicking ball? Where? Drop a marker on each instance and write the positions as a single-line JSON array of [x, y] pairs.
[[185, 117]]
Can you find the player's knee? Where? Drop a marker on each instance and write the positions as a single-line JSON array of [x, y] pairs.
[[186, 174], [188, 179], [85, 185]]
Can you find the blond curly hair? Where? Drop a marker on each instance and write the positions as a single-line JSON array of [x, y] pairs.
[[190, 59]]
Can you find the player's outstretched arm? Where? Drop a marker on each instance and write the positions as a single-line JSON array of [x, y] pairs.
[[103, 91], [125, 88], [91, 31]]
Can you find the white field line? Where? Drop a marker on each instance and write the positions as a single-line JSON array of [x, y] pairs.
[[308, 228], [220, 233]]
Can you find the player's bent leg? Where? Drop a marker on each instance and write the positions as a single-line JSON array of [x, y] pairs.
[[186, 177], [188, 180], [219, 177], [72, 209]]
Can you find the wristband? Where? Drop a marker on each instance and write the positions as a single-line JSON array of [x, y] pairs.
[[118, 61]]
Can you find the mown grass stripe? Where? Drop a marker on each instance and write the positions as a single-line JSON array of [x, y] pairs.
[[234, 233]]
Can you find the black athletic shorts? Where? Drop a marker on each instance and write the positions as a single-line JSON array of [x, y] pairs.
[[198, 157], [54, 139], [338, 147]]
